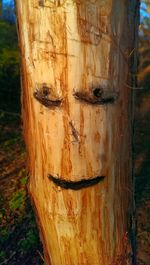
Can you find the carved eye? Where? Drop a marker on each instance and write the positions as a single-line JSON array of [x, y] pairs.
[[98, 96], [46, 95], [97, 92], [46, 91], [41, 3]]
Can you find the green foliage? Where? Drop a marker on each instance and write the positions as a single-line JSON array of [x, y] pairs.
[[9, 143], [8, 36], [2, 256], [2, 115], [30, 241], [18, 200], [9, 57], [9, 67], [9, 118], [9, 54], [24, 180], [23, 177], [2, 209], [4, 234]]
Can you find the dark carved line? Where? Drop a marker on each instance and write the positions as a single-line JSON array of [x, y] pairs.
[[75, 185], [47, 102], [93, 100], [74, 132]]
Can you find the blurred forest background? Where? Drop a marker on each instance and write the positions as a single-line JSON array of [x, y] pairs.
[[19, 238]]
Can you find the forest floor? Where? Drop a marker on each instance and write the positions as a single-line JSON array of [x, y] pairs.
[[141, 153], [19, 239]]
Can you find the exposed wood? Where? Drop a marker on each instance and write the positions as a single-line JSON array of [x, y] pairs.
[[75, 53]]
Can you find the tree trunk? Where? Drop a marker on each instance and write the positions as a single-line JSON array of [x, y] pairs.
[[77, 126]]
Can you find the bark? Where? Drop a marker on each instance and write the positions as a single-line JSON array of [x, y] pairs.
[[77, 124]]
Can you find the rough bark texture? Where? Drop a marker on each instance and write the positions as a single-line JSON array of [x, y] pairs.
[[77, 124]]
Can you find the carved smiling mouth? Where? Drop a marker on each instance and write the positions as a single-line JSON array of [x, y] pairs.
[[75, 185]]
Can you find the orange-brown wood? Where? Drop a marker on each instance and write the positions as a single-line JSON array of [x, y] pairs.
[[77, 124]]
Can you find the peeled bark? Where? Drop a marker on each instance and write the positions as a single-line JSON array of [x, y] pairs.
[[77, 125]]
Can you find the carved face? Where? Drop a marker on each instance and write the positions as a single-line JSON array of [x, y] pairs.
[[76, 122], [75, 64]]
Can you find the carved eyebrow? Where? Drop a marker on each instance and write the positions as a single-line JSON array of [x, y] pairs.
[[75, 185]]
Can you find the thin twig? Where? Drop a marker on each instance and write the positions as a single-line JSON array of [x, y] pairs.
[[41, 256], [6, 260], [11, 113]]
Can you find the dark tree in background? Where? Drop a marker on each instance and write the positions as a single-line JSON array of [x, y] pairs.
[[9, 60]]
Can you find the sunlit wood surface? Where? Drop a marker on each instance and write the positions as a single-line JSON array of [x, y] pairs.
[[76, 105]]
